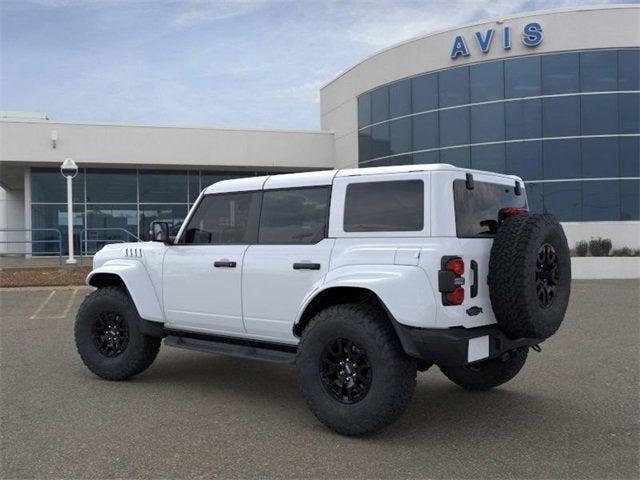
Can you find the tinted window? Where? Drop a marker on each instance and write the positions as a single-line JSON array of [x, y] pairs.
[[364, 110], [629, 200], [534, 197], [487, 123], [600, 201], [522, 77], [400, 135], [114, 221], [209, 178], [53, 216], [460, 157], [524, 159], [477, 209], [380, 104], [365, 145], [561, 158], [523, 119], [425, 131], [48, 185], [564, 200], [223, 219], [599, 71], [380, 140], [400, 99], [122, 186], [629, 70], [194, 186], [487, 81], [396, 206], [454, 127], [560, 73], [294, 216], [454, 87], [424, 92], [174, 215], [629, 112], [599, 114], [599, 157], [630, 156], [488, 157], [163, 186], [561, 116], [426, 157]]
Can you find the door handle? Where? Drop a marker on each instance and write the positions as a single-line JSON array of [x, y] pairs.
[[224, 264], [306, 266], [474, 285]]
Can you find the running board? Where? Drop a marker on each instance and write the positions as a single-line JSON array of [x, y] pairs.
[[283, 354]]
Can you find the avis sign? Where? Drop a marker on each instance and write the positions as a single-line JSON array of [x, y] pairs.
[[531, 37]]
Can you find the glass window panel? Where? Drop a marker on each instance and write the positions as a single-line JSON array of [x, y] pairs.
[[534, 197], [629, 69], [599, 114], [425, 131], [400, 135], [426, 157], [522, 77], [459, 157], [599, 71], [561, 116], [629, 200], [174, 215], [564, 200], [523, 119], [364, 110], [380, 104], [229, 218], [194, 185], [400, 98], [163, 186], [294, 216], [487, 123], [55, 216], [48, 185], [365, 145], [524, 159], [390, 206], [487, 81], [600, 157], [560, 73], [109, 224], [104, 186], [397, 160], [454, 87], [454, 127], [600, 201], [488, 157], [424, 92], [629, 112], [561, 159], [209, 177], [380, 140], [630, 156]]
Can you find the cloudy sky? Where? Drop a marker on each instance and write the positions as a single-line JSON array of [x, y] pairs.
[[233, 63]]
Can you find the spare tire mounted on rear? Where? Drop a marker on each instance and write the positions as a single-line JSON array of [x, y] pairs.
[[530, 276]]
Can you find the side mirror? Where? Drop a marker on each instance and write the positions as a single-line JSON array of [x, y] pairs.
[[159, 232]]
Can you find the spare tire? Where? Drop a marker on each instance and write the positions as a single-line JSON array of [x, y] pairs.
[[530, 276]]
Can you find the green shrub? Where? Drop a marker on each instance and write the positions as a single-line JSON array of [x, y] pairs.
[[600, 247], [582, 248], [625, 252]]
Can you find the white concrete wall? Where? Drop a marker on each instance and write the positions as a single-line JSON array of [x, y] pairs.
[[28, 142], [622, 234], [576, 29], [583, 268], [11, 217]]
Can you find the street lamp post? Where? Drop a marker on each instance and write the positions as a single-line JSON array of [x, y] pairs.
[[69, 169]]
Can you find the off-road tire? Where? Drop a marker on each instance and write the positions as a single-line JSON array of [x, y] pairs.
[[490, 373], [514, 276], [393, 373], [140, 350]]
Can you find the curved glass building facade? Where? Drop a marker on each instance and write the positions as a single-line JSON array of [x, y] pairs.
[[567, 123]]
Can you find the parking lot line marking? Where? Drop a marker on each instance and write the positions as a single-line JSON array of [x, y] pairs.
[[42, 305], [69, 305]]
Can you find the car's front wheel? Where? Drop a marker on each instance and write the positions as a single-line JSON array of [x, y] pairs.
[[352, 370], [108, 336]]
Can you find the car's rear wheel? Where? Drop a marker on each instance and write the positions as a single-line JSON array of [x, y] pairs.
[[108, 336], [489, 373], [352, 370]]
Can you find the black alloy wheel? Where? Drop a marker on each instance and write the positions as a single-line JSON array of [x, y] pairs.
[[547, 275], [110, 334], [345, 370]]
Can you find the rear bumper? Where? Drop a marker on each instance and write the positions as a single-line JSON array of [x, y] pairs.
[[458, 346]]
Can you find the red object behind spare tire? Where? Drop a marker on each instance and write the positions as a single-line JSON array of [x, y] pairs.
[[530, 276]]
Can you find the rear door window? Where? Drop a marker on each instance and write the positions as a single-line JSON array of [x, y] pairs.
[[477, 209], [294, 216], [393, 206]]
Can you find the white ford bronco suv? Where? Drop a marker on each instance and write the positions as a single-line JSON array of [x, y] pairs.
[[360, 277]]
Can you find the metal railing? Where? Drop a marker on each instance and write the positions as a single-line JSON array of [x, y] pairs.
[[85, 240], [31, 241]]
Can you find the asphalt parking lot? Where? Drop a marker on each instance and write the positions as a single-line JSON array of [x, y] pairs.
[[573, 411]]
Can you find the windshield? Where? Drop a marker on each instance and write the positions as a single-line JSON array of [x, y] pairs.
[[477, 209]]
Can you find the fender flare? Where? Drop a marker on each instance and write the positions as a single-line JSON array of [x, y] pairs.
[[136, 279]]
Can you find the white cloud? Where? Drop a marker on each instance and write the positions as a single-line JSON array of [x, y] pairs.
[[196, 12]]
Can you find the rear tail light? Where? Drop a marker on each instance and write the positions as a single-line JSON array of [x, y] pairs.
[[507, 212], [450, 280]]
